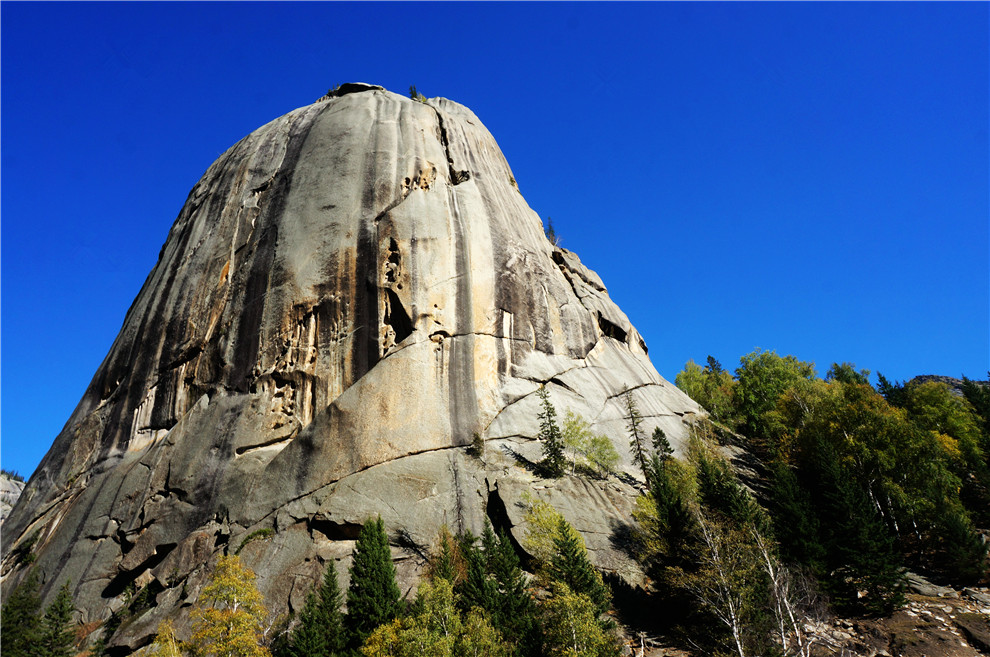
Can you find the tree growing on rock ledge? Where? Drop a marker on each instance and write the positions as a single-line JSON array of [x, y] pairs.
[[634, 422], [553, 463]]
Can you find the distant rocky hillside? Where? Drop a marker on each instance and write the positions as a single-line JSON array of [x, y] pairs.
[[10, 490], [955, 385]]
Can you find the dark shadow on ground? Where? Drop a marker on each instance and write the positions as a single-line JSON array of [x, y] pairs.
[[656, 617]]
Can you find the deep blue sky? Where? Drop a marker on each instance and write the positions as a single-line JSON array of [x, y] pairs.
[[808, 178]]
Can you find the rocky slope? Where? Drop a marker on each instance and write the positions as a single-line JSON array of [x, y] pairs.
[[935, 622], [349, 295]]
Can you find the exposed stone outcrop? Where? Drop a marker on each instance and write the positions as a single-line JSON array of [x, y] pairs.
[[10, 490], [955, 385], [348, 296]]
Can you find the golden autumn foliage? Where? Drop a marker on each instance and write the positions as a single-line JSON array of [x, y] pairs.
[[165, 644], [439, 629], [229, 616]]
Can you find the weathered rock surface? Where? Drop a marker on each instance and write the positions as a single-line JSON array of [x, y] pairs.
[[10, 490], [348, 296]]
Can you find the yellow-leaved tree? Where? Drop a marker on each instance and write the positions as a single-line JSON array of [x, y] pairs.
[[229, 615], [165, 644]]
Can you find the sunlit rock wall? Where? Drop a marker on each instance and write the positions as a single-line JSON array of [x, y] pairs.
[[348, 296]]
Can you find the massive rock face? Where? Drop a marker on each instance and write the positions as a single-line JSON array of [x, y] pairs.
[[349, 295]]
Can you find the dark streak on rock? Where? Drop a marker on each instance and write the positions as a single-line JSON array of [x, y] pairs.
[[365, 349], [257, 286]]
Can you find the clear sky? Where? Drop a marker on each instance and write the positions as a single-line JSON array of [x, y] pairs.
[[808, 178]]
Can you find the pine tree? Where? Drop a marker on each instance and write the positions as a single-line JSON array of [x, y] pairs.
[[477, 589], [674, 522], [570, 565], [57, 637], [634, 423], [795, 522], [551, 233], [21, 618], [977, 393], [718, 488], [859, 548], [514, 613], [373, 595], [444, 560], [895, 393], [496, 585], [320, 632], [961, 552], [553, 464], [20, 621], [661, 446]]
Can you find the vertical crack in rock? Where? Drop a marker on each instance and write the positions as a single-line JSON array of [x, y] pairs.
[[396, 324], [463, 402], [365, 350], [456, 176]]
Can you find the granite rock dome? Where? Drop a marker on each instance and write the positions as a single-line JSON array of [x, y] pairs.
[[349, 295]]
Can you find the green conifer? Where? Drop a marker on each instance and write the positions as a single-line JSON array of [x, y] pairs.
[[515, 615], [320, 632], [661, 446], [675, 519], [962, 555], [860, 554], [795, 523], [570, 565], [373, 595], [443, 562], [57, 637], [634, 423], [553, 464], [495, 583], [477, 589], [21, 627]]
